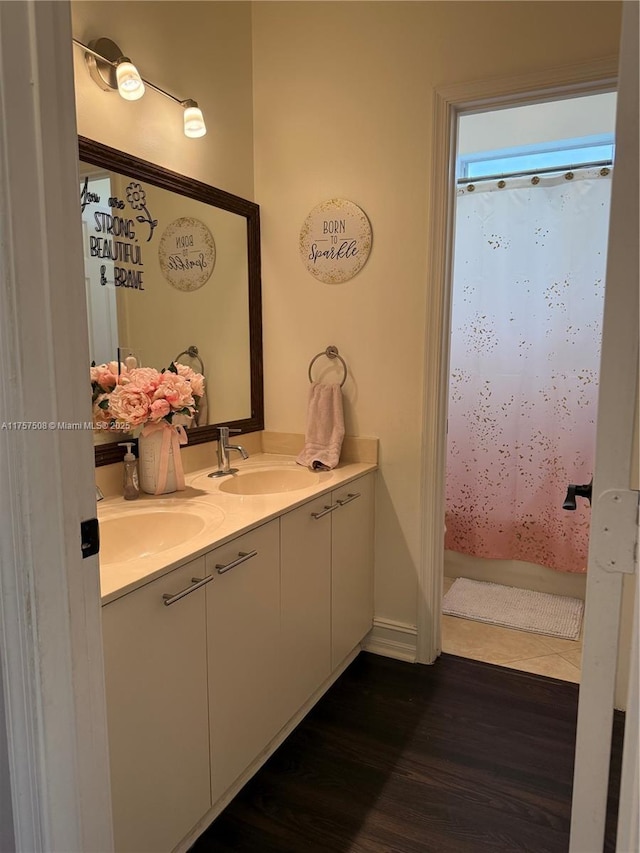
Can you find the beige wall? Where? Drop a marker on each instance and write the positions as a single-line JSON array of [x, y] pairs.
[[191, 49], [343, 107]]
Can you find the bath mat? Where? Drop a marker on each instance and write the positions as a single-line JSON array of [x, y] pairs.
[[538, 612]]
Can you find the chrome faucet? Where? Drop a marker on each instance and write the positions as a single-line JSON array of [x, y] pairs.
[[223, 452]]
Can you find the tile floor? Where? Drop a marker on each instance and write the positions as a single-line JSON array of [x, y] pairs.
[[537, 653]]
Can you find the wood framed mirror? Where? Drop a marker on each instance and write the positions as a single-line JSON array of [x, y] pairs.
[[173, 264]]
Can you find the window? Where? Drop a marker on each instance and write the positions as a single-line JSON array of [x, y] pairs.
[[561, 155]]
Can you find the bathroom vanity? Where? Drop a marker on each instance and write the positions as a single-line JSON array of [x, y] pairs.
[[216, 647]]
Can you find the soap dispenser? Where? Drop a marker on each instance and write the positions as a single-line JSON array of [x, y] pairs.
[[131, 489]]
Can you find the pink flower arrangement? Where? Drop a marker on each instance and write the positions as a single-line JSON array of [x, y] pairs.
[[129, 397]]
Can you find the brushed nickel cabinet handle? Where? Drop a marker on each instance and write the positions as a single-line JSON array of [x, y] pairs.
[[325, 511], [196, 583], [242, 557], [350, 497]]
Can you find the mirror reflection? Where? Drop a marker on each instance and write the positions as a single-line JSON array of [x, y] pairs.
[[172, 275]]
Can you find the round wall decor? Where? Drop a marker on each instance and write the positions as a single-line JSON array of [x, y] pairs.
[[335, 240], [187, 253]]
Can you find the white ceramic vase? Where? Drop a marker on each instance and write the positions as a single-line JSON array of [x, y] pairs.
[[149, 455]]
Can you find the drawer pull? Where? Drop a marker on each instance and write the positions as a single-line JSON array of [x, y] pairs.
[[325, 511], [196, 583], [350, 497], [242, 556]]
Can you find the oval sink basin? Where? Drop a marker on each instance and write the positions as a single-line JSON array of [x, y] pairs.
[[136, 534], [269, 481]]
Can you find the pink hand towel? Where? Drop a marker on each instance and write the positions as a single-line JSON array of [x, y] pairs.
[[325, 427]]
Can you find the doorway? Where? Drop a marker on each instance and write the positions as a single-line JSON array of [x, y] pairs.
[[533, 188], [449, 102]]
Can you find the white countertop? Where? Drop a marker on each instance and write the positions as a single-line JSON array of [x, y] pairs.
[[230, 516]]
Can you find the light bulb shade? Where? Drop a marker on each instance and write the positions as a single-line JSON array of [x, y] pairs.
[[194, 125], [130, 83]]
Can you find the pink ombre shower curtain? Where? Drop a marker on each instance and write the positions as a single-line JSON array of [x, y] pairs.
[[529, 273]]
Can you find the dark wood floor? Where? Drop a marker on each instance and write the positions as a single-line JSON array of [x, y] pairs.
[[458, 757]]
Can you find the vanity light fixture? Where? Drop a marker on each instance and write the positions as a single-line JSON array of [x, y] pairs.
[[130, 85], [194, 125], [112, 71]]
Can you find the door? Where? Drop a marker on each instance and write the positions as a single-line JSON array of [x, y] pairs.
[[614, 518], [305, 602], [351, 566], [53, 683], [243, 635], [155, 658]]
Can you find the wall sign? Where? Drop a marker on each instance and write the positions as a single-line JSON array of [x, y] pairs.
[[115, 235], [187, 253], [335, 240]]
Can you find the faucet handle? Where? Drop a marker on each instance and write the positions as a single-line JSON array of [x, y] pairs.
[[224, 431]]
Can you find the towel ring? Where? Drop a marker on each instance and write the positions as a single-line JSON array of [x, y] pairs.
[[330, 352], [192, 352]]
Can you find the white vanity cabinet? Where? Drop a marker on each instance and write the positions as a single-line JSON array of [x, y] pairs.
[[351, 566], [243, 626], [209, 666], [327, 585], [156, 685]]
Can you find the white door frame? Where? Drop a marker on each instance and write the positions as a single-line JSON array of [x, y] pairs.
[[51, 644], [556, 83]]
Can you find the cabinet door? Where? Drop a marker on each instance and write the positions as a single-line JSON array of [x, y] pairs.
[[156, 680], [305, 577], [243, 623], [352, 566]]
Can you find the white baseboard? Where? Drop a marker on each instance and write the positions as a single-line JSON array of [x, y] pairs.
[[392, 640]]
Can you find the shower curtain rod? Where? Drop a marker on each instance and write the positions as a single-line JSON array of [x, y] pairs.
[[546, 171]]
